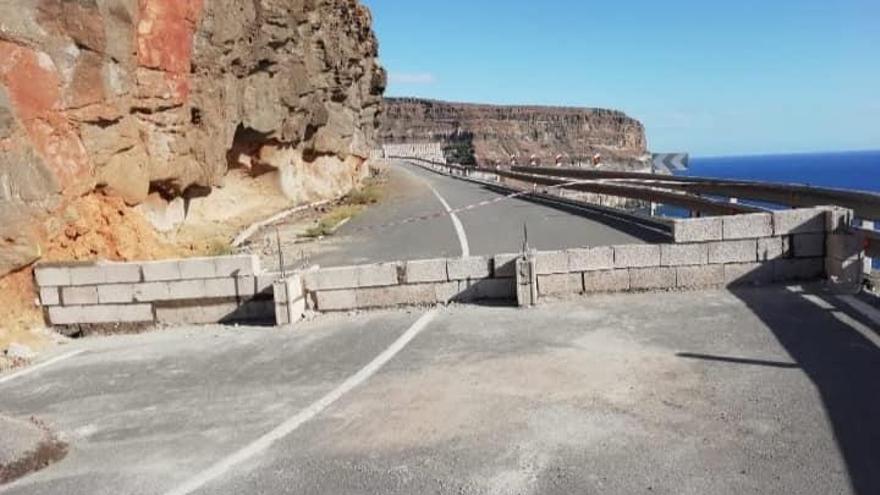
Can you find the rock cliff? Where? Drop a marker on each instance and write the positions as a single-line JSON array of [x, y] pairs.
[[136, 98], [497, 132]]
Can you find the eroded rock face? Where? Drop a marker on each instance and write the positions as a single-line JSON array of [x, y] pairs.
[[497, 132], [134, 97]]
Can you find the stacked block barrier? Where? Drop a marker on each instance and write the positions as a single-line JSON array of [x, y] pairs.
[[196, 290]]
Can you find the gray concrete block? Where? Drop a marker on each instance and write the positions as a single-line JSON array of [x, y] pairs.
[[526, 282], [699, 277], [744, 251], [120, 273], [684, 254], [79, 296], [236, 266], [747, 226], [422, 271], [589, 259], [606, 281], [560, 284], [195, 313], [378, 275], [772, 248], [651, 278], [801, 269], [445, 292], [549, 262], [152, 291], [799, 221], [808, 245], [336, 300], [396, 295], [504, 265], [345, 277], [49, 296], [197, 268], [845, 271], [160, 271], [741, 274], [246, 287], [221, 287], [838, 220], [289, 300], [265, 281], [698, 229], [843, 246], [636, 256], [474, 267], [126, 313], [86, 275], [116, 294], [486, 289], [52, 276]]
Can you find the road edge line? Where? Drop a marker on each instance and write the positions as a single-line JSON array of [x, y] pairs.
[[39, 366], [286, 428]]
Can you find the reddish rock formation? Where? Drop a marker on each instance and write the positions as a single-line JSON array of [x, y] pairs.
[[497, 132], [133, 97]]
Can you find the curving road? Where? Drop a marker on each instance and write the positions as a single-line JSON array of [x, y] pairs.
[[487, 230]]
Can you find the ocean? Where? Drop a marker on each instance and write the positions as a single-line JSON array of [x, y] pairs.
[[858, 170]]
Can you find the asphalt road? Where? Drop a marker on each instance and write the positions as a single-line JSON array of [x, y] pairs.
[[380, 233], [759, 391]]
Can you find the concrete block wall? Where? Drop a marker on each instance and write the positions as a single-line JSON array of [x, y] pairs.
[[196, 290]]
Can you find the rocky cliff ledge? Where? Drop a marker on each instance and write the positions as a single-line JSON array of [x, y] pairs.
[[497, 132], [140, 98]]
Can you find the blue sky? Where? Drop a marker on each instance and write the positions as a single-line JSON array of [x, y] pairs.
[[709, 77]]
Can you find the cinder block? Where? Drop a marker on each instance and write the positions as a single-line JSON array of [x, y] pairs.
[[336, 300], [289, 300], [526, 282], [265, 281], [739, 274], [745, 251], [747, 226], [606, 281], [396, 295], [800, 221], [636, 256], [684, 254], [246, 287], [845, 271], [808, 245], [838, 220], [699, 277], [378, 275], [237, 266], [49, 296], [589, 259], [486, 289], [221, 287], [52, 276], [152, 291], [127, 313], [445, 292], [698, 229], [198, 268], [504, 265], [160, 271], [843, 246], [560, 284], [116, 294], [549, 262], [79, 296], [651, 278], [422, 271], [345, 277], [86, 275], [772, 248], [196, 313], [471, 268], [798, 269], [120, 273]]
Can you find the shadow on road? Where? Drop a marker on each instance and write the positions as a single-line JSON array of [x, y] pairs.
[[828, 344]]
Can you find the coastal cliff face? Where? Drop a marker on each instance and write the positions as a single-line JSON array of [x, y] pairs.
[[497, 132], [121, 101]]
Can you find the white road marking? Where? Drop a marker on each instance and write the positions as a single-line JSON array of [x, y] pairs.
[[39, 366], [261, 444], [846, 319], [870, 312], [459, 228]]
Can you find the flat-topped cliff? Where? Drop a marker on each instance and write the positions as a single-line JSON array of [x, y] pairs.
[[497, 132]]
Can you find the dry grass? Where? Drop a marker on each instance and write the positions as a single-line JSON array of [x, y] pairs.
[[328, 224]]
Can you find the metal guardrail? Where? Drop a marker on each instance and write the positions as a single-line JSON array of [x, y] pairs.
[[864, 204]]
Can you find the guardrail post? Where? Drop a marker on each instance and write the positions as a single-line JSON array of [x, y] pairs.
[[868, 266]]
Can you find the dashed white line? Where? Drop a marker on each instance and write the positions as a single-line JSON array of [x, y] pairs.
[[39, 366], [261, 444], [459, 228]]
